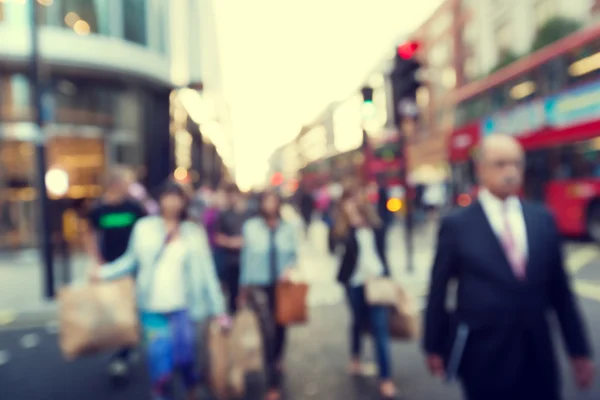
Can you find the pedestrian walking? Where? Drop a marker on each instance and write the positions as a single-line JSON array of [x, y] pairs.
[[229, 239], [269, 253], [358, 227], [176, 288], [217, 204], [110, 223], [506, 256]]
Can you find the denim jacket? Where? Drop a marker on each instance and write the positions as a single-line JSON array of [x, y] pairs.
[[204, 297], [255, 257]]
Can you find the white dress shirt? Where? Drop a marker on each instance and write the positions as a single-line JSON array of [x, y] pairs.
[[493, 208], [369, 264]]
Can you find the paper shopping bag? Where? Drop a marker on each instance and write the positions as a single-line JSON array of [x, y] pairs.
[[291, 303], [246, 342], [405, 323], [97, 318]]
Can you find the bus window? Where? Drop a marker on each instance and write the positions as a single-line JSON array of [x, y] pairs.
[[536, 174], [522, 89], [498, 98], [578, 65], [551, 78]]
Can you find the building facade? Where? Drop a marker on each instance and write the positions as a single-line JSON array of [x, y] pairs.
[[109, 71], [496, 28], [441, 55]]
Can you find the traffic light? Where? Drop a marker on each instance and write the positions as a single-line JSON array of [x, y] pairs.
[[367, 94], [405, 82], [368, 108]]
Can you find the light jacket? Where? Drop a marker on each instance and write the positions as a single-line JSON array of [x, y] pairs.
[[255, 256], [203, 292]]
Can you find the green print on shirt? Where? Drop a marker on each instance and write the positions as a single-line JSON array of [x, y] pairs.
[[117, 220]]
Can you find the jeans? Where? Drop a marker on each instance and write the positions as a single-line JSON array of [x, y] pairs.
[[232, 281], [374, 317], [274, 339]]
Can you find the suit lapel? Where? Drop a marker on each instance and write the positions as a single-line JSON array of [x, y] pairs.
[[528, 218]]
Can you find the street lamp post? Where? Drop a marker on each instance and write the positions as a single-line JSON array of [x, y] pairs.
[[37, 82]]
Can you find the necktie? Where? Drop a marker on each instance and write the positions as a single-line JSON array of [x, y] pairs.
[[514, 255]]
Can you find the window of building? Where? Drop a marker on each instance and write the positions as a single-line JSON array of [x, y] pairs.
[[134, 20], [15, 97], [83, 16]]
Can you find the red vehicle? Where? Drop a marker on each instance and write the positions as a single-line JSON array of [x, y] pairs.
[[550, 101]]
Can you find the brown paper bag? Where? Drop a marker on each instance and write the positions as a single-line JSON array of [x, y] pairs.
[[96, 318], [246, 342], [217, 343], [405, 323], [290, 300]]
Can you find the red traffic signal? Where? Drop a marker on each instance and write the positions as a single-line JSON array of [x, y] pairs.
[[408, 49]]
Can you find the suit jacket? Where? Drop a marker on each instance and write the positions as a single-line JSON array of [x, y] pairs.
[[509, 342], [350, 256]]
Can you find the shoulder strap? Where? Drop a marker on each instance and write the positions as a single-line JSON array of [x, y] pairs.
[[163, 246]]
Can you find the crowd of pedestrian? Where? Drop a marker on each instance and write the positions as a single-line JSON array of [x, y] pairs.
[[504, 253]]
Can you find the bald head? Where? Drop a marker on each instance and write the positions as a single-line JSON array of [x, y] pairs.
[[500, 165], [498, 142]]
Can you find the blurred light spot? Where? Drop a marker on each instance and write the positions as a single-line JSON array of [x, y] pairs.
[[71, 18], [30, 340], [180, 174], [394, 205], [81, 28], [464, 200], [4, 356], [46, 3], [57, 182]]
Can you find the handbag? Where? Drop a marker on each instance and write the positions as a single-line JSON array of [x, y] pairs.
[[404, 320], [381, 291], [290, 307]]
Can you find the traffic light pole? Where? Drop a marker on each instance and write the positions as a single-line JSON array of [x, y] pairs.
[[408, 206], [45, 231]]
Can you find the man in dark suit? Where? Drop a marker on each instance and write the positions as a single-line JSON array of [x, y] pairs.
[[506, 257]]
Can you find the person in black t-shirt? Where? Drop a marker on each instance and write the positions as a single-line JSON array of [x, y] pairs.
[[111, 222], [229, 239]]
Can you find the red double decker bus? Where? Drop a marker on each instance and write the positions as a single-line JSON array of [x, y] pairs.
[[550, 101]]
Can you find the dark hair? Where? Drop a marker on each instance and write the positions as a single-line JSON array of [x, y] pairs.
[[261, 208], [171, 187], [231, 189]]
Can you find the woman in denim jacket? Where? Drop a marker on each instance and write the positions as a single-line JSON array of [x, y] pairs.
[[270, 250], [176, 287]]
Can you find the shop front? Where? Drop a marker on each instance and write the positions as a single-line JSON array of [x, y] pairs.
[[93, 124]]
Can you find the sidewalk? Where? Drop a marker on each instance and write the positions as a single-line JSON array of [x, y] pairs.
[[21, 285]]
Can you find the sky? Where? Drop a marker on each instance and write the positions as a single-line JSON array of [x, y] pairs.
[[285, 61]]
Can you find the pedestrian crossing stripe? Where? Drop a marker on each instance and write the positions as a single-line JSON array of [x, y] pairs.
[[580, 258], [7, 317], [587, 289]]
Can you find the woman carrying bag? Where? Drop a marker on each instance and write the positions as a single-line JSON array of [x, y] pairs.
[[359, 228], [176, 287], [269, 253]]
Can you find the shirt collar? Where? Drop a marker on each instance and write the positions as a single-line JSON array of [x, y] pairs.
[[489, 200]]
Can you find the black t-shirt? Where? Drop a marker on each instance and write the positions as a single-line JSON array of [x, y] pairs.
[[113, 224], [230, 223]]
